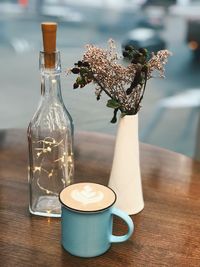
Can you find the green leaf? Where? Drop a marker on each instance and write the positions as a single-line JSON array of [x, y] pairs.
[[113, 103], [80, 81], [83, 71]]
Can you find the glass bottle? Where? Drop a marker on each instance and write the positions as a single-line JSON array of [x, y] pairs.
[[50, 139]]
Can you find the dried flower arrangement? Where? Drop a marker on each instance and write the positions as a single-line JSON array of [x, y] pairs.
[[124, 85]]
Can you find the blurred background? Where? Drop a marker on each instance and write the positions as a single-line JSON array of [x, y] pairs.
[[170, 114]]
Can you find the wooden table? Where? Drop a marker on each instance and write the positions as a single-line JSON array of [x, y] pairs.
[[167, 231]]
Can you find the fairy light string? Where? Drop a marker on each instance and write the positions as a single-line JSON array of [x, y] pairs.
[[45, 149]]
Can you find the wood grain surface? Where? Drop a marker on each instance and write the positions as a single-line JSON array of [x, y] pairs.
[[167, 231]]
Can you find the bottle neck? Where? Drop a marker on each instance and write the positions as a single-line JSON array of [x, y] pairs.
[[50, 77], [50, 86]]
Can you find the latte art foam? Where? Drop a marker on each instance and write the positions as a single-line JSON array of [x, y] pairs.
[[87, 197]]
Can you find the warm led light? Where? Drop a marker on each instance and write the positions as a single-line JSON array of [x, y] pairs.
[[49, 144], [37, 169]]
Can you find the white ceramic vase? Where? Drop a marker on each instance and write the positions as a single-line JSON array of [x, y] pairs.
[[125, 178]]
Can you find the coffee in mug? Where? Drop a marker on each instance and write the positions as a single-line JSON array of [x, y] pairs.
[[87, 219]]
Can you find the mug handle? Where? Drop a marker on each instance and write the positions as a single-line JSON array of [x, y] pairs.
[[125, 217]]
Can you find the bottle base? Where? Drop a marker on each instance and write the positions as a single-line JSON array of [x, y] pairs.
[[48, 206]]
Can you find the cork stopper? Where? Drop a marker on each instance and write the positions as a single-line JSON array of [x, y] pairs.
[[49, 43]]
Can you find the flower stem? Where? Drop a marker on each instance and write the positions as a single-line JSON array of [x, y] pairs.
[[142, 95], [102, 88]]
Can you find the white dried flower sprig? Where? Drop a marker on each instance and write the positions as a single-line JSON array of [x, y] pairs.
[[157, 62], [125, 85]]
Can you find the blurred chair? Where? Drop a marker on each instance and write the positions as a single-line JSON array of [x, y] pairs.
[[188, 99]]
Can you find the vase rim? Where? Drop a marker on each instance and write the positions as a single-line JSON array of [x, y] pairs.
[[130, 116]]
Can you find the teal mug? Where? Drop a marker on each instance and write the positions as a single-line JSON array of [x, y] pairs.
[[87, 219]]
